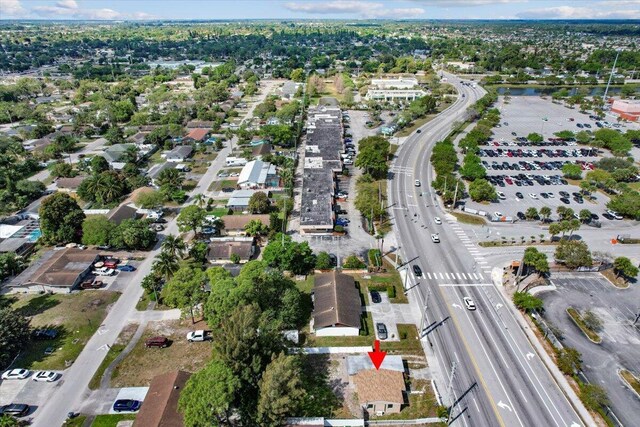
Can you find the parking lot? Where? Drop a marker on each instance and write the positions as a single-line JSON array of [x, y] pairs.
[[527, 175], [620, 345]]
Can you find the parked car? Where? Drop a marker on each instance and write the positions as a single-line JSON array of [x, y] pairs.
[[375, 297], [16, 374], [198, 336], [468, 302], [91, 284], [126, 405], [160, 342], [46, 376], [44, 334], [382, 331], [104, 271], [126, 267], [15, 410]]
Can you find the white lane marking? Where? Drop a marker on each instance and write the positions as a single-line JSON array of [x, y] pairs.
[[476, 403], [523, 396], [479, 257], [530, 356], [504, 406], [464, 285], [456, 305], [483, 262]]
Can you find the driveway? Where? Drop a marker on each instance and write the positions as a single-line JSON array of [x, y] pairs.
[[620, 339], [391, 314]]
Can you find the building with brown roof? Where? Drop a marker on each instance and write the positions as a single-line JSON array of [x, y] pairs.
[[234, 224], [120, 213], [222, 248], [69, 185], [337, 306], [197, 134], [59, 271], [379, 391], [160, 406]]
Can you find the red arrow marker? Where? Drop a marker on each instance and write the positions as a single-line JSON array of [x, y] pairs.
[[376, 355]]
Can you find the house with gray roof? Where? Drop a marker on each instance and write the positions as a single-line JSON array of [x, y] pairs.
[[179, 154], [258, 174]]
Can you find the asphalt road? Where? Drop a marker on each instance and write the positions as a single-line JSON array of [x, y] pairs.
[[498, 378]]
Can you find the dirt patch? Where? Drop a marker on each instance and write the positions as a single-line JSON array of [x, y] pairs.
[[143, 364]]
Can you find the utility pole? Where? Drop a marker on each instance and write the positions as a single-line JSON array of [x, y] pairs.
[[637, 317], [423, 318], [450, 390], [455, 195]]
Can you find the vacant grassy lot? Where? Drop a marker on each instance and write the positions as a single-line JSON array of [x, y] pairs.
[[111, 420], [469, 219], [420, 405], [142, 364], [76, 317], [383, 280], [219, 185]]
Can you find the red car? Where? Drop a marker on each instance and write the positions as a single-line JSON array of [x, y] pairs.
[[508, 181], [160, 342], [111, 262]]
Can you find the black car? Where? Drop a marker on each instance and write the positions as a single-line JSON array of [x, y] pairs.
[[126, 405], [15, 409], [382, 331], [228, 190], [608, 216], [44, 334], [375, 297], [564, 194], [417, 270], [519, 194], [564, 200], [333, 259], [521, 216], [418, 131]]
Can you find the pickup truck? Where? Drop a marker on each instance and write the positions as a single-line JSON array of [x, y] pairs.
[[199, 335]]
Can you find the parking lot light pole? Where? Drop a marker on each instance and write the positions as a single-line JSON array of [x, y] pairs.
[[637, 317]]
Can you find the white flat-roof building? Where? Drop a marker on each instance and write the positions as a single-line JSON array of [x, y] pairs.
[[394, 95], [399, 83]]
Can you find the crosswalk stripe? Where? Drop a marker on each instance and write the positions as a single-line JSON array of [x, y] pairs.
[[462, 285], [458, 274], [447, 275], [464, 276], [429, 276], [441, 276], [483, 262]]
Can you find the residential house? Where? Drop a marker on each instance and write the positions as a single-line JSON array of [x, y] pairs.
[[58, 271], [155, 170], [195, 124], [234, 224], [122, 212], [239, 199], [380, 391], [18, 234], [179, 154], [337, 307], [116, 153], [260, 150], [222, 248], [69, 185], [258, 174], [37, 145], [160, 405], [289, 89], [197, 135], [138, 138]]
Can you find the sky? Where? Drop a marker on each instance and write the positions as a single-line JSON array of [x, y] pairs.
[[315, 9]]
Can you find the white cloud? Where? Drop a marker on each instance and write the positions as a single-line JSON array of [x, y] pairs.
[[361, 8], [619, 3], [70, 9], [569, 12], [466, 3], [12, 8]]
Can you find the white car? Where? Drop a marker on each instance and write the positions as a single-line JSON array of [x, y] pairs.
[[501, 195], [498, 214], [104, 271], [435, 238], [417, 183], [45, 376], [437, 220], [468, 302], [533, 195], [16, 374]]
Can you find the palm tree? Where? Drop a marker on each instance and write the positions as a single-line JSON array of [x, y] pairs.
[[255, 228], [174, 246], [165, 265], [200, 200]]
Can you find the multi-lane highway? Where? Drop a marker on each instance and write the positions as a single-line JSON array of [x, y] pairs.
[[498, 377]]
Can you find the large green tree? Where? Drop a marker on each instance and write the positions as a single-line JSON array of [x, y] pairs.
[[96, 230], [258, 203], [624, 267], [282, 252], [185, 290], [14, 334], [281, 391], [60, 219], [191, 218], [208, 396], [481, 190], [573, 254], [373, 156]]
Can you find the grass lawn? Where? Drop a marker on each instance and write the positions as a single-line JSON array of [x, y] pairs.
[[221, 211], [117, 348], [469, 219], [634, 185], [142, 364], [383, 280], [111, 420], [75, 316], [421, 405], [416, 124], [75, 422], [219, 185], [156, 157], [305, 286]]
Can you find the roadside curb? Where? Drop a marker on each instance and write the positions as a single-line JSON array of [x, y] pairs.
[[552, 368], [613, 284], [626, 383], [575, 322]]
